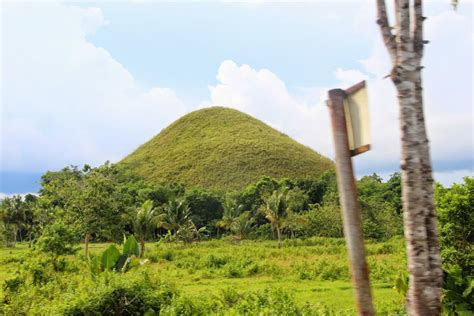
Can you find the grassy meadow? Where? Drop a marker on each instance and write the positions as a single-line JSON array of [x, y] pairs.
[[218, 276]]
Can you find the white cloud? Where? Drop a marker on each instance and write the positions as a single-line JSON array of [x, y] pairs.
[[65, 100], [448, 99], [447, 91], [263, 95]]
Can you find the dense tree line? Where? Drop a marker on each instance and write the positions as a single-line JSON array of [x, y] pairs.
[[103, 203]]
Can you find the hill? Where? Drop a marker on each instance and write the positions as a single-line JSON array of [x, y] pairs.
[[222, 149]]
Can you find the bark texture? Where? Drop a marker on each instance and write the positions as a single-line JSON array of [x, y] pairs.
[[424, 261], [142, 248]]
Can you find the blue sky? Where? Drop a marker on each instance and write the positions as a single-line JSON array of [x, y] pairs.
[[87, 82]]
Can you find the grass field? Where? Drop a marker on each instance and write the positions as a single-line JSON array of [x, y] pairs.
[[313, 271]]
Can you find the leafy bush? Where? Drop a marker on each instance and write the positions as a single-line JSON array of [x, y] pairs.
[[123, 296], [458, 293], [112, 259], [57, 239]]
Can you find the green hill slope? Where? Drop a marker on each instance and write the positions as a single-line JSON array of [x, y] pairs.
[[222, 149]]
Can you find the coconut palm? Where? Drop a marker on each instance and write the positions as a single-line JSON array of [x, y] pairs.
[[13, 215], [177, 218], [242, 225], [230, 215], [144, 221], [276, 211]]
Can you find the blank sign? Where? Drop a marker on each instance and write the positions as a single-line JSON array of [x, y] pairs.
[[356, 109]]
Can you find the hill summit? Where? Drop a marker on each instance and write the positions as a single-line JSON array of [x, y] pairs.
[[222, 149]]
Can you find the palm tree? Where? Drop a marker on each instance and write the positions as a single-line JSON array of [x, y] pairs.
[[144, 221], [12, 214], [177, 218], [242, 225], [231, 213], [276, 211]]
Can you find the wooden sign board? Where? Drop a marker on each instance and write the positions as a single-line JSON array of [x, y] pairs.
[[356, 110]]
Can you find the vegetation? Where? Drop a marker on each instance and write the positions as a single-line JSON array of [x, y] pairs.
[[222, 149], [144, 222], [208, 241], [306, 276]]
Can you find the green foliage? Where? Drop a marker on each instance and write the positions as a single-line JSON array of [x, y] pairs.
[[263, 279], [222, 149], [91, 199], [323, 220], [205, 206], [145, 220], [141, 295], [243, 225], [177, 220], [112, 260], [455, 210], [276, 211], [381, 206], [58, 239], [458, 293], [130, 246], [13, 215]]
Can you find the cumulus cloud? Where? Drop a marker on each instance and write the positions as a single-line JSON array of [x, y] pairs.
[[263, 95], [447, 92], [448, 99], [65, 100]]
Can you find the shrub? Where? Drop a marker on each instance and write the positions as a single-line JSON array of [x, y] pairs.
[[124, 296], [233, 270], [57, 239]]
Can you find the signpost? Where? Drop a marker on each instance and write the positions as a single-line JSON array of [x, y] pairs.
[[349, 117]]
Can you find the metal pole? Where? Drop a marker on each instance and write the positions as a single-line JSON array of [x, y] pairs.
[[350, 205]]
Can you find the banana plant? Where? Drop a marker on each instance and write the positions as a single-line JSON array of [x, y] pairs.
[[113, 260]]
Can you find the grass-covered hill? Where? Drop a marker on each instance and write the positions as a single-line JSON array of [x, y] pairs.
[[222, 149]]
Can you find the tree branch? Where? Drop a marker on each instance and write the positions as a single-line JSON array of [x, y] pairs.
[[417, 35], [388, 37], [403, 39]]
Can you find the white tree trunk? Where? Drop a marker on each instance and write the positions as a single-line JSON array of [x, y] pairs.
[[424, 262]]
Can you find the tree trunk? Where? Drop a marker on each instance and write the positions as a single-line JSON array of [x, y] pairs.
[[14, 238], [279, 237], [86, 244], [142, 247], [424, 261]]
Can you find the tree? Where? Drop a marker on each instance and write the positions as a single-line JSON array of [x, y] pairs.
[[177, 219], [456, 221], [405, 47], [144, 221], [276, 211], [13, 216], [90, 199], [58, 240], [205, 206], [242, 225], [232, 210]]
